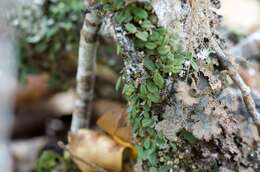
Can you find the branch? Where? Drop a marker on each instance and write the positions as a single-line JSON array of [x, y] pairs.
[[86, 71], [245, 90]]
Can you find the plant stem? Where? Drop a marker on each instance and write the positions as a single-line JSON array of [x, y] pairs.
[[86, 70]]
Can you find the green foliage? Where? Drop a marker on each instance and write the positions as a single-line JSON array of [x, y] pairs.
[[131, 28], [49, 37], [142, 35], [158, 79], [52, 162]]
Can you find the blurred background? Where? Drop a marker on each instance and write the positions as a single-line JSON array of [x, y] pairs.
[[38, 58]]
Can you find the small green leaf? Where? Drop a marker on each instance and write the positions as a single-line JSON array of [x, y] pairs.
[[178, 61], [143, 91], [158, 79], [147, 143], [150, 45], [152, 88], [118, 49], [139, 43], [176, 69], [149, 64], [146, 122], [188, 136], [155, 36], [147, 25], [123, 16], [153, 159], [128, 90], [118, 4], [194, 66], [174, 147], [164, 50], [140, 151], [164, 168], [131, 28], [118, 83], [154, 97], [153, 169], [165, 40], [142, 35], [173, 42], [140, 13]]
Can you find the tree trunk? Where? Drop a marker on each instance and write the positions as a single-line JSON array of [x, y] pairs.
[[177, 82]]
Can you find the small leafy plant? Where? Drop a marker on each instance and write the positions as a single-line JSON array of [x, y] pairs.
[[163, 59]]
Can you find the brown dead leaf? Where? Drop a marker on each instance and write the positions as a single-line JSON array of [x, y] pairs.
[[35, 90], [98, 150], [102, 106], [114, 122]]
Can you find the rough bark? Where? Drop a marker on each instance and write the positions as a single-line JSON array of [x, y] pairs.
[[213, 114]]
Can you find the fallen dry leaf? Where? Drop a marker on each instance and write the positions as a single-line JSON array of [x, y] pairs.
[[99, 150], [102, 106], [114, 122]]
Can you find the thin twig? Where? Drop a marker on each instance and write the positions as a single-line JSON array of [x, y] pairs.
[[86, 70], [232, 71]]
